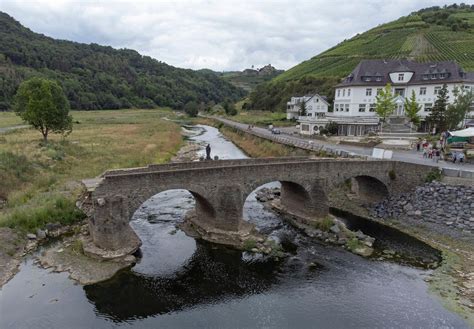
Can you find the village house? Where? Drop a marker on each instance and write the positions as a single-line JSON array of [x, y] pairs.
[[354, 99], [316, 106]]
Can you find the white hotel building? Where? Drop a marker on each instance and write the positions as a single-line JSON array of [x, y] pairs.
[[354, 100]]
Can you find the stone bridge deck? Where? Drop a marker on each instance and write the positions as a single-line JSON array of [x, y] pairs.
[[220, 189]]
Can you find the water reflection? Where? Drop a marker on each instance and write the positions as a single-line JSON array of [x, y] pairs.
[[210, 276]]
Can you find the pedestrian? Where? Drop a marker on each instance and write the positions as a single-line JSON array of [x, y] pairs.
[[425, 153], [438, 155], [455, 156], [461, 157]]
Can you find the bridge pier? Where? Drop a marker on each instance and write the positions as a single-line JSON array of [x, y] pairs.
[[111, 234], [307, 202]]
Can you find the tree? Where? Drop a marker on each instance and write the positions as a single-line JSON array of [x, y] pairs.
[[331, 128], [412, 108], [385, 102], [229, 108], [191, 109], [438, 116], [457, 111], [303, 108], [42, 104]]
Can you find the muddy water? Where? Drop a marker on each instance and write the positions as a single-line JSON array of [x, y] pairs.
[[180, 283]]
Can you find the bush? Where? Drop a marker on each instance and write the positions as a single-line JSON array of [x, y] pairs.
[[331, 128], [249, 244], [434, 174], [391, 174], [354, 244], [57, 209], [323, 224]]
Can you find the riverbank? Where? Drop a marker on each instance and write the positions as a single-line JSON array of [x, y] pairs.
[[453, 281], [40, 184]]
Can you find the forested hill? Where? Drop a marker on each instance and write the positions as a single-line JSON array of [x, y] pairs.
[[100, 77], [431, 34]]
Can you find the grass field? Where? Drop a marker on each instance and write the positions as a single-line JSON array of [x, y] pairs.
[[262, 118], [8, 119], [40, 182]]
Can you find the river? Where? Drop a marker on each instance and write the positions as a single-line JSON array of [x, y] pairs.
[[182, 283]]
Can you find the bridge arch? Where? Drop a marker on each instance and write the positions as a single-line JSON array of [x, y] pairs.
[[304, 199], [203, 207], [368, 188]]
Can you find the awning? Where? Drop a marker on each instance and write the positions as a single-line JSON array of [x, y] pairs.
[[468, 132]]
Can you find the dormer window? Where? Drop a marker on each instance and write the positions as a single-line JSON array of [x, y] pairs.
[[433, 76], [367, 79], [442, 75], [401, 76], [378, 78], [425, 76]]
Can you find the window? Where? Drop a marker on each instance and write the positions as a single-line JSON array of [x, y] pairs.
[[338, 92], [400, 91], [368, 92], [401, 76], [422, 90], [433, 76], [317, 100], [436, 90], [378, 79], [425, 76], [336, 107], [347, 107], [305, 127], [428, 107], [348, 92], [442, 75], [343, 92], [362, 107], [372, 107], [367, 79], [379, 90]]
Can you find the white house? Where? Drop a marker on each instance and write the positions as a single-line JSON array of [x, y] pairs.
[[354, 99], [355, 95], [316, 106]]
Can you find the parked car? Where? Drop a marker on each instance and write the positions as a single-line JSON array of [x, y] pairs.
[[276, 131]]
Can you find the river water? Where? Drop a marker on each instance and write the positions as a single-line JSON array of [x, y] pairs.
[[182, 283]]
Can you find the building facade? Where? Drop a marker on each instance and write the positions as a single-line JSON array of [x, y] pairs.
[[355, 96], [316, 106]]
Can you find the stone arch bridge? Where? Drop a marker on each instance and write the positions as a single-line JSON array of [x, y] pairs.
[[220, 189]]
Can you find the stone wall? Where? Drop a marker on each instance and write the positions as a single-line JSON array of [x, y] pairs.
[[443, 206]]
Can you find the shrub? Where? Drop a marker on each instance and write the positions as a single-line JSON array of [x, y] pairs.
[[331, 128], [249, 244], [391, 174], [56, 209], [323, 224], [354, 244], [434, 174]]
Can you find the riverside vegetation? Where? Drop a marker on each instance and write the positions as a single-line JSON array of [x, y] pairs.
[[40, 183]]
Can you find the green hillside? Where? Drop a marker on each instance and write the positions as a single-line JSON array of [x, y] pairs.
[[432, 34], [99, 77]]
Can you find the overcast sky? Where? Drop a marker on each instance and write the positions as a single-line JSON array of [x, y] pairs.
[[220, 35]]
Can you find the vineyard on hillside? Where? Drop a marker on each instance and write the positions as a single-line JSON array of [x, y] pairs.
[[406, 38], [429, 35]]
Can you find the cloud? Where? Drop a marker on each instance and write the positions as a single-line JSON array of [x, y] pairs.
[[221, 35]]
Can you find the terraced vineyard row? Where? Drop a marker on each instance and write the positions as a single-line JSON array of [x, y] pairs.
[[460, 49]]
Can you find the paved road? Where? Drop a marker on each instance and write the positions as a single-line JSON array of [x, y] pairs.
[[399, 155], [6, 129]]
